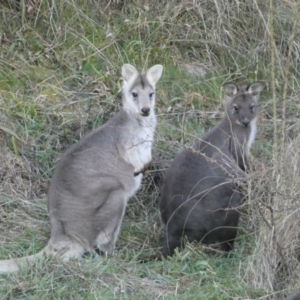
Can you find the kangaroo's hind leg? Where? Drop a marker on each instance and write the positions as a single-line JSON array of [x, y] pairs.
[[63, 242], [108, 221], [171, 242], [174, 238], [66, 249]]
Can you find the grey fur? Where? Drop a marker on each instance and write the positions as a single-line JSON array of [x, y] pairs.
[[294, 296], [199, 198], [95, 177]]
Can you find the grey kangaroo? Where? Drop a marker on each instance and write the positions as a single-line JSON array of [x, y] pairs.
[[95, 177], [199, 198]]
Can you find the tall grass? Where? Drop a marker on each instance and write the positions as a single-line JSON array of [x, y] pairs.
[[276, 261]]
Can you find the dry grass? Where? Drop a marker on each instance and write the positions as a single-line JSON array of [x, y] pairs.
[[60, 77], [274, 202]]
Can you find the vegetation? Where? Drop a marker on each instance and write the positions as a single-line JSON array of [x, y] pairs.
[[60, 65]]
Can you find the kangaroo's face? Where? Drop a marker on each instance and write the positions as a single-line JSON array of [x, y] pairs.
[[140, 97], [139, 89], [241, 105]]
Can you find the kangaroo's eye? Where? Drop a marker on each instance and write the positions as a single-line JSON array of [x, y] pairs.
[[252, 106], [236, 107], [151, 95], [134, 95]]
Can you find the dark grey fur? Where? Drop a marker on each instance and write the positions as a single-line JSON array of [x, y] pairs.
[[294, 296], [199, 199]]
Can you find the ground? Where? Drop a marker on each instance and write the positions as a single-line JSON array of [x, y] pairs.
[[60, 77]]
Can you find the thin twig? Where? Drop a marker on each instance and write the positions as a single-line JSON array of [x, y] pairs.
[[286, 77], [273, 87]]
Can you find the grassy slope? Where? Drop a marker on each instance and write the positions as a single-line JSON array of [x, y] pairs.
[[60, 67]]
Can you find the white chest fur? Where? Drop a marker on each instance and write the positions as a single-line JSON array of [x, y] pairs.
[[138, 145], [253, 130]]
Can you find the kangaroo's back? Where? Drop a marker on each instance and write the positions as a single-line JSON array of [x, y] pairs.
[[199, 198]]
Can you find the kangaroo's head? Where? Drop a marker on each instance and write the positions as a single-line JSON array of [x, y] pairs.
[[241, 103], [139, 89]]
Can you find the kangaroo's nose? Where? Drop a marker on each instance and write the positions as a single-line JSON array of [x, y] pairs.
[[145, 111], [246, 122]]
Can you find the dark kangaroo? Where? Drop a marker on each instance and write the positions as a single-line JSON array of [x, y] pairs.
[[95, 177], [294, 296], [199, 197]]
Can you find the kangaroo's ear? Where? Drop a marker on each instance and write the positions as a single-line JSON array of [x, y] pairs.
[[230, 89], [129, 72], [154, 74], [255, 88]]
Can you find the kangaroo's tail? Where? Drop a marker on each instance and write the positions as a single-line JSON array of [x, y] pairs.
[[14, 264]]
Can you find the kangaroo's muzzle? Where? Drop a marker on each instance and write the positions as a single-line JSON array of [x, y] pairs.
[[145, 111]]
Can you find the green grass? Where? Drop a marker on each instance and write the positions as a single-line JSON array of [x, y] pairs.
[[191, 274], [60, 65]]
